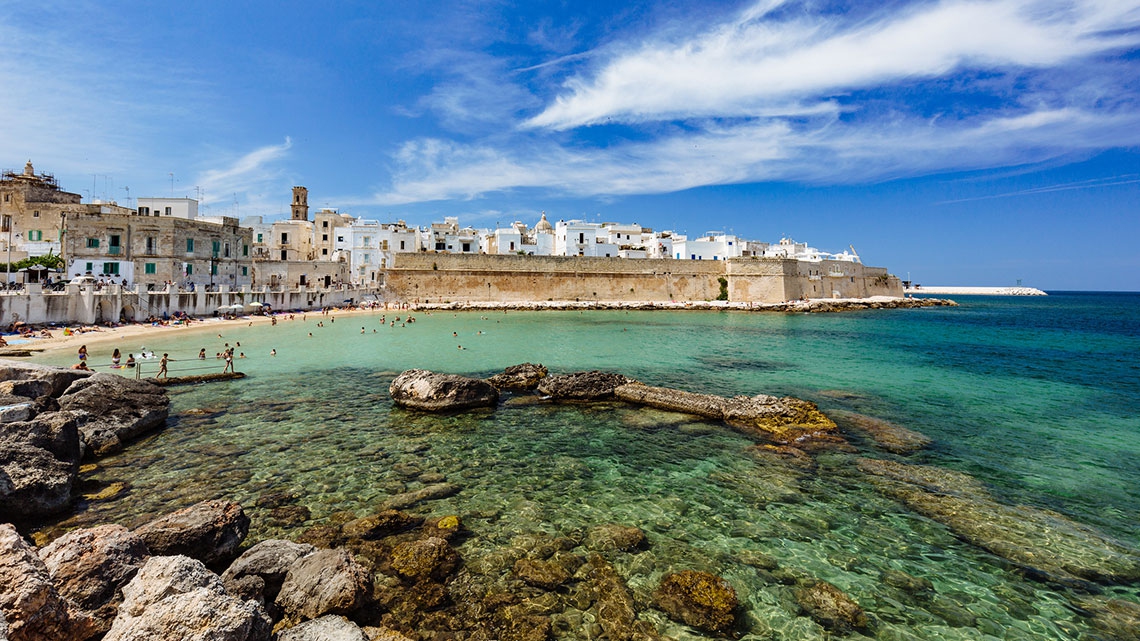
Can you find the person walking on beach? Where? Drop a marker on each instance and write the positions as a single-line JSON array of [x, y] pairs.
[[162, 366]]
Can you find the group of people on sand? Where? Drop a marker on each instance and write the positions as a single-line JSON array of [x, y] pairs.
[[116, 359]]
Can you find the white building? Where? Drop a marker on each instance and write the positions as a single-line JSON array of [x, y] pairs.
[[712, 246], [177, 207]]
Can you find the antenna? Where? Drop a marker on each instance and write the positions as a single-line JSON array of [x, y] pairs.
[[128, 190], [171, 184]]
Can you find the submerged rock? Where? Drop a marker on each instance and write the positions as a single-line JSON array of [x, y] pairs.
[[613, 536], [173, 595], [892, 438], [545, 575], [427, 493], [521, 378], [30, 606], [831, 608], [113, 410], [209, 531], [1118, 619], [431, 558], [1048, 545], [428, 391], [380, 525], [91, 566], [698, 599], [582, 386]]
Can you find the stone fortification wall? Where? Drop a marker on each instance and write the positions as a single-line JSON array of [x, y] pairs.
[[430, 277], [112, 303], [512, 278]]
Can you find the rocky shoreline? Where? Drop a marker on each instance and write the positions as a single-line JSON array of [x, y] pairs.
[[398, 574], [814, 305]]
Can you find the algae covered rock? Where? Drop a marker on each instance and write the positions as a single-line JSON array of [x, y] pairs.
[[545, 575], [582, 386], [432, 558], [614, 536], [831, 608], [522, 378], [895, 439], [429, 391], [1046, 544], [698, 599], [780, 420]]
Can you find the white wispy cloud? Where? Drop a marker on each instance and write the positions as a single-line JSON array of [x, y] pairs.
[[762, 57], [256, 172]]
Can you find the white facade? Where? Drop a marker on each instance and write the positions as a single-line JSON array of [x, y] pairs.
[[711, 246], [788, 248], [177, 207]]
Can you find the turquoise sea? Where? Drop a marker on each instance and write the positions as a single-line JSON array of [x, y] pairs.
[[1037, 398]]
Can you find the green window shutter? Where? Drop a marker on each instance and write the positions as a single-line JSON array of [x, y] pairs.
[[149, 268]]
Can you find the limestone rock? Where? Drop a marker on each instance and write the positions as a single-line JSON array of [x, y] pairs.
[[428, 391], [380, 525], [325, 582], [330, 627], [545, 575], [39, 463], [698, 599], [613, 536], [522, 378], [582, 386], [831, 608], [58, 378], [30, 389], [269, 561], [30, 606], [613, 601], [384, 634], [1046, 544], [114, 410], [209, 531], [428, 558], [91, 566], [892, 438], [780, 420], [426, 493], [706, 405], [173, 595]]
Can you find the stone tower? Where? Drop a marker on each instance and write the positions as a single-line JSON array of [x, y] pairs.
[[300, 203]]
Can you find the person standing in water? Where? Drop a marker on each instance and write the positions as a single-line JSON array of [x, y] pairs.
[[115, 358], [162, 366]]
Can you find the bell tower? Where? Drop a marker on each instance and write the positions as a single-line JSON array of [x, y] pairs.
[[300, 203]]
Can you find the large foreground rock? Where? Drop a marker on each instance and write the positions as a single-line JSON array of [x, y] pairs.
[[330, 627], [699, 599], [57, 378], [1047, 544], [266, 564], [113, 410], [30, 606], [90, 567], [780, 420], [428, 391], [39, 463], [582, 386], [176, 597], [520, 378], [209, 531], [325, 582]]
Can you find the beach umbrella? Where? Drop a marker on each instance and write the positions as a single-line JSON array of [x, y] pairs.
[[255, 305]]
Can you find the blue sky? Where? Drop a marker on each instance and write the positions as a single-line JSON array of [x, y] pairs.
[[960, 142]]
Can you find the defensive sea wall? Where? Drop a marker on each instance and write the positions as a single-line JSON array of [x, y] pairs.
[[113, 303], [437, 278]]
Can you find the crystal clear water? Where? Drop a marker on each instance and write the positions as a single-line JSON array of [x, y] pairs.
[[1036, 397]]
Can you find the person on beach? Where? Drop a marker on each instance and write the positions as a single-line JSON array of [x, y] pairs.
[[82, 353], [229, 362], [202, 354], [80, 365], [130, 360], [115, 358], [162, 366]]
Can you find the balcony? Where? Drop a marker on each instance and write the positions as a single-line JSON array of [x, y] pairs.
[[114, 250]]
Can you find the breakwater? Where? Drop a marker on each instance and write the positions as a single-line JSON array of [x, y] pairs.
[[793, 306]]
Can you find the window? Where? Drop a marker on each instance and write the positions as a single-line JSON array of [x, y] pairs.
[[144, 211], [284, 254], [325, 224], [324, 238], [92, 243], [150, 244], [115, 240], [87, 268], [401, 244], [36, 214], [245, 250], [189, 245], [216, 246], [466, 247], [340, 239], [512, 245], [581, 237], [35, 234], [440, 246], [367, 257], [167, 211], [226, 250], [111, 269], [245, 271], [213, 269], [324, 251], [149, 268], [259, 238], [284, 238], [7, 197], [189, 269]]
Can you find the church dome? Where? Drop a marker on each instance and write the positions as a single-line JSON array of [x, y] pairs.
[[544, 225]]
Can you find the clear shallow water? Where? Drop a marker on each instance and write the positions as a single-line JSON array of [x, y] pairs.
[[1036, 397]]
